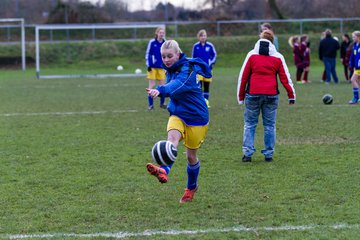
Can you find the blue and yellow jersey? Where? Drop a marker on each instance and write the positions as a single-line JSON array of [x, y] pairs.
[[186, 98], [153, 54], [355, 57], [205, 52]]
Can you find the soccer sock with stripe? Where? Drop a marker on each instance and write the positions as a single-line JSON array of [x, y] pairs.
[[306, 75], [206, 95], [206, 91], [150, 100], [299, 72], [193, 173], [162, 100], [167, 168], [356, 93]]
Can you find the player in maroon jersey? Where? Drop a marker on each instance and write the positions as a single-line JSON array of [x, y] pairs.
[[298, 58], [305, 48], [344, 59]]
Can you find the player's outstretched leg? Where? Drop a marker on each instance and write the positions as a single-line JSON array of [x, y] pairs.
[[158, 172]]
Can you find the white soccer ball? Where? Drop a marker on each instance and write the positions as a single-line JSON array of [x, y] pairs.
[[138, 71], [120, 68]]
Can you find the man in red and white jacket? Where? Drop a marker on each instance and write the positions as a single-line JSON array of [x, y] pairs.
[[259, 72], [258, 87]]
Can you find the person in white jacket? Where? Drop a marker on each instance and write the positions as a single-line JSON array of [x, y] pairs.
[[258, 88]]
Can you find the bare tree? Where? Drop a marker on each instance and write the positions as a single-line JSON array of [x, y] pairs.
[[319, 8], [275, 9], [38, 11], [34, 11], [116, 10]]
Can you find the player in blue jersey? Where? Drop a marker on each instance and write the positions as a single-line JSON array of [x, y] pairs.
[[189, 115], [205, 51], [355, 64], [155, 72]]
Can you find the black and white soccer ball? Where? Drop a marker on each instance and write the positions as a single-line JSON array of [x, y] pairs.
[[327, 99], [164, 153]]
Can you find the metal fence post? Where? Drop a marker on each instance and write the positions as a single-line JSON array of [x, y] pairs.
[[93, 34], [176, 30], [8, 34], [341, 25]]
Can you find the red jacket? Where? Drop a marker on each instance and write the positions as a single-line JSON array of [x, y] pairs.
[[260, 70]]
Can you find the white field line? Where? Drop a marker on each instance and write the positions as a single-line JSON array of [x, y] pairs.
[[65, 113], [78, 86], [147, 233], [113, 111]]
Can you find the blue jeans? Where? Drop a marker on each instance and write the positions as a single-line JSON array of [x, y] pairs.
[[330, 68], [267, 105]]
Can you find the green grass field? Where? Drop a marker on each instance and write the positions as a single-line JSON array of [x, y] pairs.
[[73, 155]]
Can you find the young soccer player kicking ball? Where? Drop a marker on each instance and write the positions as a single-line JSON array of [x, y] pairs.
[[189, 116]]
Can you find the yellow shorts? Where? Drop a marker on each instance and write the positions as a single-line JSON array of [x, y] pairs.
[[193, 136], [156, 74], [201, 78], [357, 72]]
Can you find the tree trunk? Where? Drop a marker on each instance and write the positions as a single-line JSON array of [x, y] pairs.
[[274, 8]]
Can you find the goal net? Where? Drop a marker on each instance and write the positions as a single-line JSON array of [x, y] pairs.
[[9, 23], [92, 50]]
